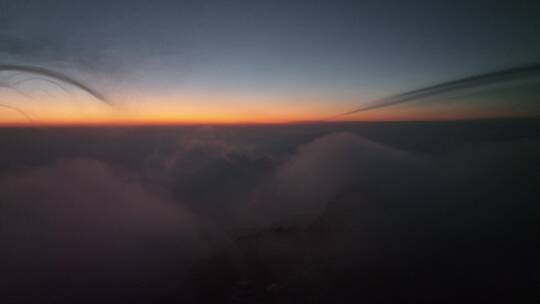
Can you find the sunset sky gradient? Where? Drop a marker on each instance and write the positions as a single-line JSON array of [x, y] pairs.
[[175, 62]]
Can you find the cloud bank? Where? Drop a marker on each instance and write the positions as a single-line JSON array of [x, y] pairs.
[[217, 214]]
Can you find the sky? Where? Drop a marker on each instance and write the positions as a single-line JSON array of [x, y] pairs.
[[250, 61]]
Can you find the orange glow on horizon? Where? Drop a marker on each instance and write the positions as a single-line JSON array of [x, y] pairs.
[[16, 111], [164, 110]]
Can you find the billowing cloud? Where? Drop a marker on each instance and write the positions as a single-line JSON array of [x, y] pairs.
[[318, 171], [193, 214], [193, 151], [88, 228], [210, 170]]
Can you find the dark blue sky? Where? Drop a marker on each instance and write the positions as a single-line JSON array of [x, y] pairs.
[[330, 49]]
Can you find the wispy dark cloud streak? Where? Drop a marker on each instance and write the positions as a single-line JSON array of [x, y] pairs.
[[508, 75], [39, 71], [19, 111], [50, 77]]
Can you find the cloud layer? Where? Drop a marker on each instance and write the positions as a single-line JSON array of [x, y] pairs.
[[221, 214]]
